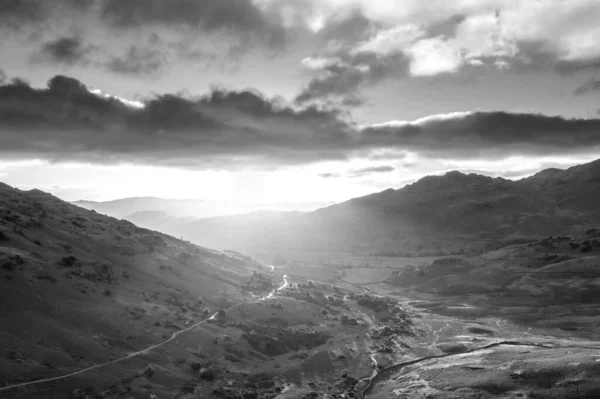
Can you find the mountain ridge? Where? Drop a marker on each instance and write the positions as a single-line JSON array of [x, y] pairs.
[[465, 211]]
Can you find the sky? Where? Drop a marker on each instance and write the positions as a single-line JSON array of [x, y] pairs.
[[291, 101]]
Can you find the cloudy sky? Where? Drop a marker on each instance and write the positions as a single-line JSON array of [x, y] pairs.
[[271, 101]]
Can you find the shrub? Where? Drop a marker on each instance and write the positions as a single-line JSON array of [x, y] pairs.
[[221, 313], [196, 366], [11, 263], [208, 374], [324, 312], [68, 260], [206, 311]]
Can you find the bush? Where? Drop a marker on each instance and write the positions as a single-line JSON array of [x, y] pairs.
[[221, 313], [196, 366], [324, 312], [68, 261], [208, 374], [11, 263]]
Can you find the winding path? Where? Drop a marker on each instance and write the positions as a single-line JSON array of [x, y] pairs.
[[141, 352]]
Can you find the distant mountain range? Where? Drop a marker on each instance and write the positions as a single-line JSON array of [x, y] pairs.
[[452, 213], [127, 208]]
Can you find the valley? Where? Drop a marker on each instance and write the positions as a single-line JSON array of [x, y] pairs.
[[95, 307]]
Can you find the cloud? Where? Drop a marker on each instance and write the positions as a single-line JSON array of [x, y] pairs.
[[239, 18], [340, 78], [138, 61], [359, 172], [65, 121], [370, 170], [346, 29], [229, 27], [486, 134], [65, 50], [592, 84], [440, 37], [15, 13]]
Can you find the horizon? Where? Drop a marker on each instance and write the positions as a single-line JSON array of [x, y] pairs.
[[308, 205]]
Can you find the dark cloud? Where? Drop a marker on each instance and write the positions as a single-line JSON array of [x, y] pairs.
[[370, 170], [240, 18], [346, 71], [65, 50], [16, 14], [239, 25], [347, 30], [138, 61], [536, 55], [359, 172], [2, 76], [481, 134], [592, 84], [346, 74], [66, 122]]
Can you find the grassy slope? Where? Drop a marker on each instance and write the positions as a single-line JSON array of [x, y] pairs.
[[126, 288]]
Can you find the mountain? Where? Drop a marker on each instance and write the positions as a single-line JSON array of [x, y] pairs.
[[125, 208], [122, 208], [577, 187], [451, 213]]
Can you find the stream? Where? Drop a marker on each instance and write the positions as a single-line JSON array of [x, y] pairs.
[[388, 371], [274, 292]]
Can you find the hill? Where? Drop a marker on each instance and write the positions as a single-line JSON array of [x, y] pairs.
[[78, 288]]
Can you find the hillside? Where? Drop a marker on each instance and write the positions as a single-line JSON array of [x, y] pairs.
[[577, 187], [78, 288]]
